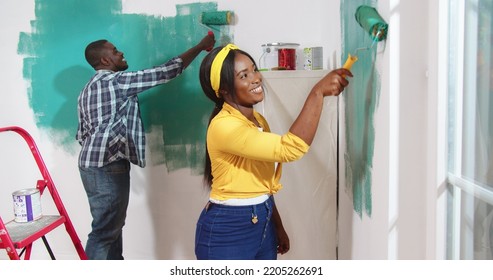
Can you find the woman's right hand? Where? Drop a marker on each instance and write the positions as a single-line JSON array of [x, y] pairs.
[[307, 121], [333, 83]]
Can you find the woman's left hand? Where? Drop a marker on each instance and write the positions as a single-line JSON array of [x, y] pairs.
[[282, 241]]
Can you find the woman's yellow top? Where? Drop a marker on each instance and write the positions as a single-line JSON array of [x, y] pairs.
[[243, 156]]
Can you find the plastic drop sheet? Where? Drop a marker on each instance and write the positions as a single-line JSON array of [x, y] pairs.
[[308, 201]]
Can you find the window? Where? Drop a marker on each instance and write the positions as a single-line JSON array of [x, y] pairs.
[[470, 145]]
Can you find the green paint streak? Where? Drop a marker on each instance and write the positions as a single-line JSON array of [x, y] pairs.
[[361, 101], [55, 66]]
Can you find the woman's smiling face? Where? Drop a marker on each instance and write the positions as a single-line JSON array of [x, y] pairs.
[[248, 82]]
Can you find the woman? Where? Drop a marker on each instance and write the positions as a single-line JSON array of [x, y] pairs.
[[241, 220]]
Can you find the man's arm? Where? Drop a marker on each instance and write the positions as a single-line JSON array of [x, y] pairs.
[[206, 43]]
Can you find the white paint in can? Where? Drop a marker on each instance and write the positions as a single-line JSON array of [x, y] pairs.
[[27, 205]]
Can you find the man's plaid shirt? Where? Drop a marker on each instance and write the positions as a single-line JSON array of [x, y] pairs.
[[110, 126]]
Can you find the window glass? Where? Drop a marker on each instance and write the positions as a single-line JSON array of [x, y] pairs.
[[471, 128]]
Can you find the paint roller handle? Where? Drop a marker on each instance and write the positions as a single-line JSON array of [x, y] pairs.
[[351, 59], [210, 33]]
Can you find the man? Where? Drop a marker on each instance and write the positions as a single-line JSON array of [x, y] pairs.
[[112, 136]]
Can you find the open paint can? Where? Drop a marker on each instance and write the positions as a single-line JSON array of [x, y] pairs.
[[278, 56], [27, 205], [287, 58]]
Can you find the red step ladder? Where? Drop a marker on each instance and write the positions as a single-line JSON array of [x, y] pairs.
[[20, 236]]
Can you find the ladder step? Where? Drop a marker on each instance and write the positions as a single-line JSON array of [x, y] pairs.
[[23, 234]]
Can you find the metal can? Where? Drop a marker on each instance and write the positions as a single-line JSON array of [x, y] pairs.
[[278, 56], [27, 205], [313, 58], [287, 59]]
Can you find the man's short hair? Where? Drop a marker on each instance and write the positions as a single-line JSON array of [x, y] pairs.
[[93, 52]]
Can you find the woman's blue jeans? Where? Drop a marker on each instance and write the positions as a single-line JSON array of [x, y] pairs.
[[108, 191], [228, 233]]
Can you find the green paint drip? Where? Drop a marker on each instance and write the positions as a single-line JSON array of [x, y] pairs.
[[361, 100], [57, 71]]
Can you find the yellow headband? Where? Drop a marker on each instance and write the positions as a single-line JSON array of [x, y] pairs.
[[217, 65]]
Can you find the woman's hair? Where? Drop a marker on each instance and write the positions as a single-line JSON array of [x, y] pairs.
[[227, 85]]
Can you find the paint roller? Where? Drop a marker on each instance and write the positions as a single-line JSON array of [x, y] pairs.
[[371, 21], [216, 18]]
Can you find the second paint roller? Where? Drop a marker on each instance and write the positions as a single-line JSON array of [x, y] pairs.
[[369, 19], [216, 18]]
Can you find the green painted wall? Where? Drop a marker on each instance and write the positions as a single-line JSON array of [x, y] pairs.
[[56, 71], [360, 101]]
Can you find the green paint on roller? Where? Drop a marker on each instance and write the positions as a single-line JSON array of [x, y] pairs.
[[219, 21], [217, 18], [175, 114], [371, 21]]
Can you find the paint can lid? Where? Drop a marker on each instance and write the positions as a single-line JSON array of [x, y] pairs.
[[275, 46], [26, 191]]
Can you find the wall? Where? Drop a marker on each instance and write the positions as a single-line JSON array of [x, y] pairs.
[[167, 195], [166, 199], [407, 221]]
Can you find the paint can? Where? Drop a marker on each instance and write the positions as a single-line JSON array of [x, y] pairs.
[[27, 205], [313, 58], [287, 58], [278, 56]]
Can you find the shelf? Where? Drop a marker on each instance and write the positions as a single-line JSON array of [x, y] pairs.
[[294, 74]]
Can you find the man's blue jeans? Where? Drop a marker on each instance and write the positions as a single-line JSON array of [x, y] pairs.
[[108, 191]]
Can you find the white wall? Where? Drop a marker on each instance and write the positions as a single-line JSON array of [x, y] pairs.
[[161, 221], [407, 189], [404, 176]]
